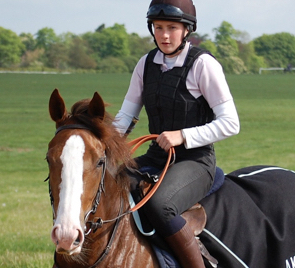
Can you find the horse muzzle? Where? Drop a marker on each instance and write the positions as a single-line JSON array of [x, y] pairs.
[[71, 252], [68, 241]]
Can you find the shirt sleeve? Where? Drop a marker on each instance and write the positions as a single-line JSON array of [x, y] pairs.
[[124, 117], [206, 78], [132, 103], [225, 125], [134, 93]]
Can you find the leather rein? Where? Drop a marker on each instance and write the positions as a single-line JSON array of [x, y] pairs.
[[94, 225]]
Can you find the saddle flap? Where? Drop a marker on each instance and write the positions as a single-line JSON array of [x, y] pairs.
[[196, 218]]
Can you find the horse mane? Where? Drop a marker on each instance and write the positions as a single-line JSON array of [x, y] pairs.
[[117, 149]]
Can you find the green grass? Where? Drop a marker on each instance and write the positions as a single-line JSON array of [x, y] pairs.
[[266, 106]]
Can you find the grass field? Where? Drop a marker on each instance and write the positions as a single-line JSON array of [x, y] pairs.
[[266, 106]]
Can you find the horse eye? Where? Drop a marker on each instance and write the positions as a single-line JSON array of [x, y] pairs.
[[100, 162]]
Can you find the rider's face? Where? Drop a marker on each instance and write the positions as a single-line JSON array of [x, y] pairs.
[[169, 35]]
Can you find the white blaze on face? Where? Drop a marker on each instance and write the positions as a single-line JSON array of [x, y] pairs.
[[71, 187]]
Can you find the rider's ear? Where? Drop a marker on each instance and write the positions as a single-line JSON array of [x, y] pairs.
[[57, 108], [96, 106]]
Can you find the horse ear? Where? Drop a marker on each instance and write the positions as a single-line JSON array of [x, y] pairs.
[[96, 106], [57, 108]]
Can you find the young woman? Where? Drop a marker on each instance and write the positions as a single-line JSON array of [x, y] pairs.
[[189, 104]]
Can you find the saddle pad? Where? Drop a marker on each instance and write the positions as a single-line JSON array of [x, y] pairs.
[[166, 260]]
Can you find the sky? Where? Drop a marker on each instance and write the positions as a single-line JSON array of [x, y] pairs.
[[255, 17]]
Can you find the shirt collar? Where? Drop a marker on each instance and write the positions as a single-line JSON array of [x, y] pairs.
[[159, 58]]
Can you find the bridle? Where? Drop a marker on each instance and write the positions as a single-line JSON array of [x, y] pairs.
[[96, 224], [100, 190]]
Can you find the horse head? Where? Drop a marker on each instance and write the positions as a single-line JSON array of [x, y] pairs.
[[78, 168]]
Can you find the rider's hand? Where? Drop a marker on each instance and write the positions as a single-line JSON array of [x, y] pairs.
[[168, 139]]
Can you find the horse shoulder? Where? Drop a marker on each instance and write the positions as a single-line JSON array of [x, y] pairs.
[[131, 249]]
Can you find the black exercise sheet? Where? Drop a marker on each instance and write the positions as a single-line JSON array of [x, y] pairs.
[[251, 219]]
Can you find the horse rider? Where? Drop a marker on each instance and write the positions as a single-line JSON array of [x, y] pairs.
[[189, 104]]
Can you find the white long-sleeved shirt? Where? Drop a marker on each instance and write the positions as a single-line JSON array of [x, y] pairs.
[[205, 78]]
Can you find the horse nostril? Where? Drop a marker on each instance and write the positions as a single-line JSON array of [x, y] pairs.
[[77, 241]]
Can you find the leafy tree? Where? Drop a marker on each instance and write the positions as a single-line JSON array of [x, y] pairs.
[[228, 58], [33, 58], [79, 55], [249, 57], [196, 39], [45, 37], [139, 46], [11, 47], [28, 40], [66, 39], [242, 37], [210, 46], [225, 33], [277, 49], [112, 65], [227, 49], [100, 28], [130, 62], [115, 41], [57, 55], [112, 49], [93, 41], [112, 41]]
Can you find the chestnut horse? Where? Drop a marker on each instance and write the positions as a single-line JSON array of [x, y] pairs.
[[86, 186], [251, 218]]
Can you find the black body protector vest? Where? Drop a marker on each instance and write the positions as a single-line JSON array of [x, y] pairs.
[[168, 103]]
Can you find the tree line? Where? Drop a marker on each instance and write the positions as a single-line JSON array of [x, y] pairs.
[[113, 50]]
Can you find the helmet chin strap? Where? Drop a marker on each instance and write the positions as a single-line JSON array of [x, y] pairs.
[[181, 46]]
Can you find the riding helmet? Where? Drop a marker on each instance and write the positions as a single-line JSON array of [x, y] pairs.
[[182, 11], [173, 10]]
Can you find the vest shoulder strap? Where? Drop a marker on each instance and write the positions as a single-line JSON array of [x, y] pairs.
[[150, 57], [194, 53]]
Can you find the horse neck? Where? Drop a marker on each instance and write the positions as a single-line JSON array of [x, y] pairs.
[[127, 240]]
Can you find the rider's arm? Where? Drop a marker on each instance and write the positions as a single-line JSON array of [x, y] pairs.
[[225, 125], [132, 103], [208, 75], [124, 118]]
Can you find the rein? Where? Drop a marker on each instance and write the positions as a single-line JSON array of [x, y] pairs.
[[136, 144]]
